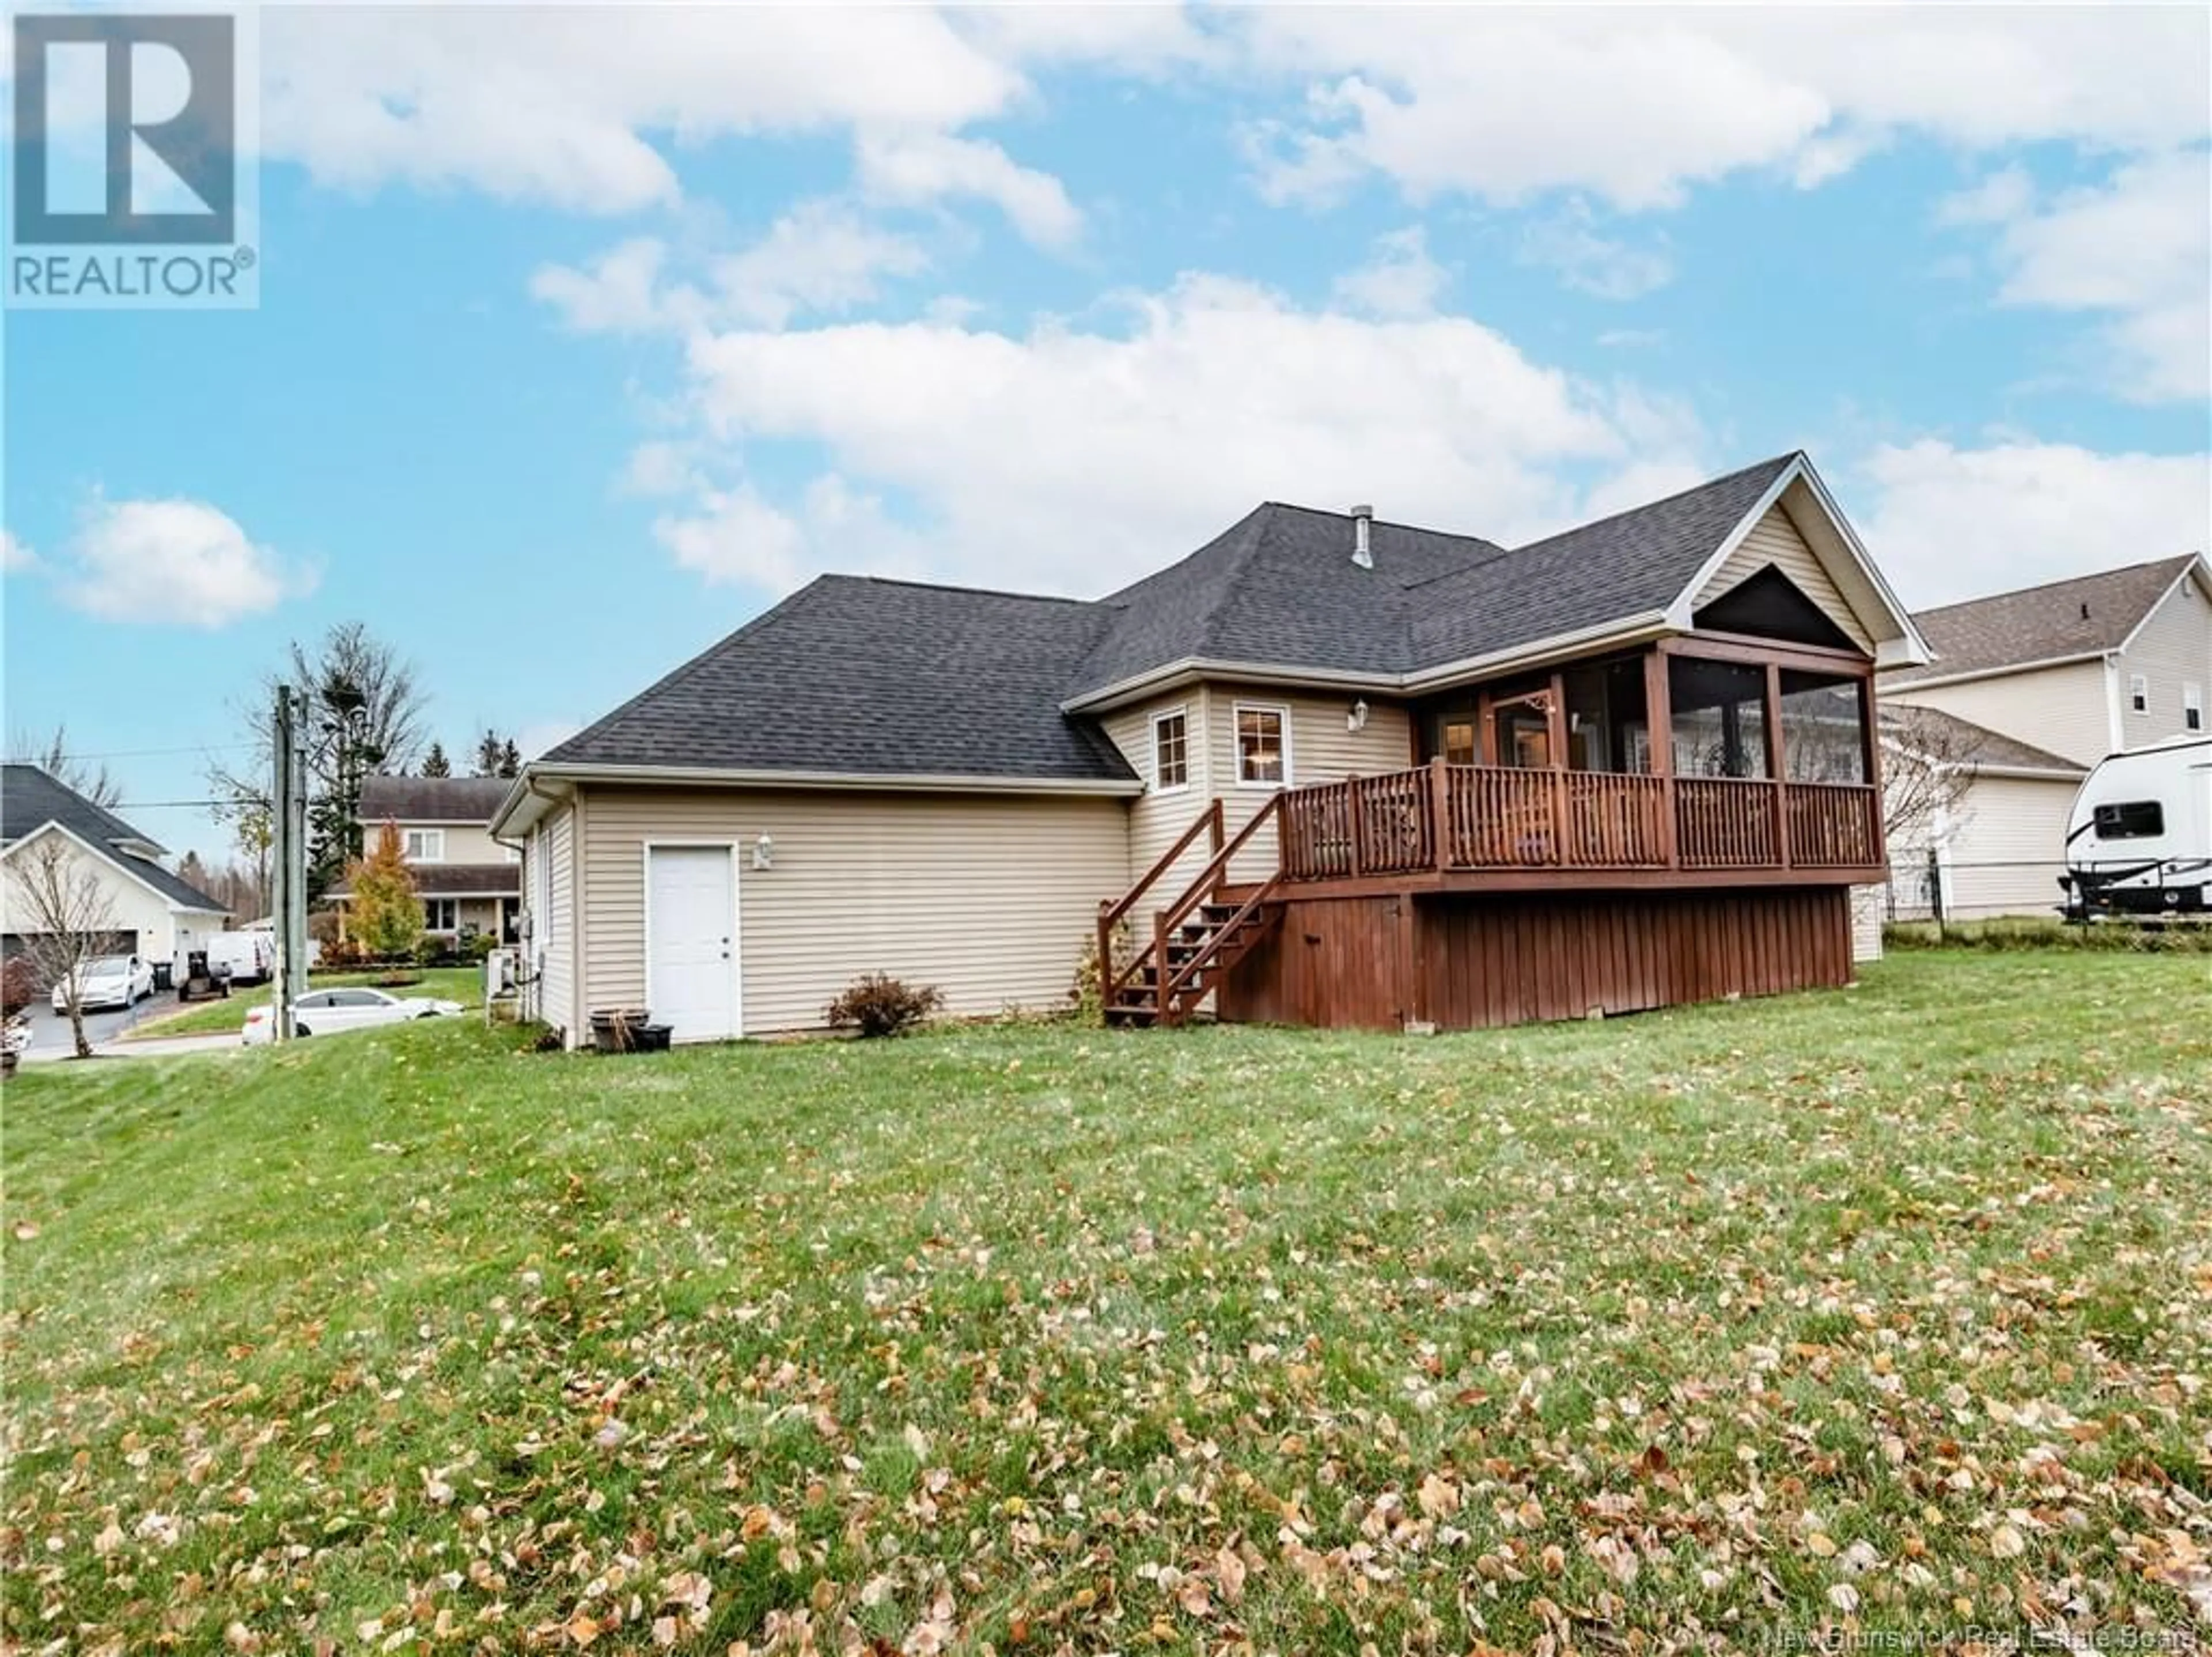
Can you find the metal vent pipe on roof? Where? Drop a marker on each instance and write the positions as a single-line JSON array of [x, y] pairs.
[[1363, 523]]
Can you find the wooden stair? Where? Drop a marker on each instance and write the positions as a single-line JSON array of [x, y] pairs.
[[1196, 939], [1199, 953]]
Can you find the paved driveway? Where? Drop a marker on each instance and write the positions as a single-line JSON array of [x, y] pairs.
[[50, 1031]]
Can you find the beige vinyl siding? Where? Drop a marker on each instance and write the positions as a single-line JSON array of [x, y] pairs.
[[2062, 711], [1868, 908], [1322, 750], [465, 842], [554, 938], [2172, 648], [1157, 819], [1775, 540], [990, 898], [2008, 847]]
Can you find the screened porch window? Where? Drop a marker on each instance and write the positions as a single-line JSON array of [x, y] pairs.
[[1720, 717]]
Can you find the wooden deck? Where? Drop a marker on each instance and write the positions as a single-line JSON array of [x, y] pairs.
[[1444, 827]]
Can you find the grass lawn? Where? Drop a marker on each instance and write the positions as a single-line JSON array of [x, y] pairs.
[[1889, 1308], [462, 984]]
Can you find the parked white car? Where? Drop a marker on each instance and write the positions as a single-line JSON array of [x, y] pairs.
[[326, 1012], [110, 981]]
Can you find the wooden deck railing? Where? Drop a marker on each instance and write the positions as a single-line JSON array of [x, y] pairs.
[[1443, 818]]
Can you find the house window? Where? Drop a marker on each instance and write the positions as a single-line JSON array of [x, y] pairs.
[[1263, 756], [426, 845], [1171, 752], [2192, 706], [2139, 694], [1459, 747], [441, 915], [2132, 820]]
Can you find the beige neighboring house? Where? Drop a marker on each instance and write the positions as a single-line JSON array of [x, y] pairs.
[[468, 881], [2029, 689], [1623, 767], [152, 913]]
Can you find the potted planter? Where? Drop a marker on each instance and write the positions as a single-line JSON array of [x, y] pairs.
[[616, 1029]]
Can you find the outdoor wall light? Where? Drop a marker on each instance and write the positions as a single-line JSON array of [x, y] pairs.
[[1356, 719], [763, 853]]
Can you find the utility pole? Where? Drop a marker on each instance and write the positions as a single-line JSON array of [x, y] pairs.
[[290, 911]]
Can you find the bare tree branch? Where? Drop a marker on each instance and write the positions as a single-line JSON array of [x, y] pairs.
[[59, 909], [52, 755]]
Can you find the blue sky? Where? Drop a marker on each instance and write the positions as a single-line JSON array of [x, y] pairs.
[[584, 336]]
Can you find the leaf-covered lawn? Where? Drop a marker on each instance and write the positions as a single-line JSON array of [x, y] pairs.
[[462, 984], [1890, 1307]]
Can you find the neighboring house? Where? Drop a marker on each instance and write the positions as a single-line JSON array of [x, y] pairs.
[[2034, 688], [469, 883], [1989, 834], [152, 914], [1623, 766]]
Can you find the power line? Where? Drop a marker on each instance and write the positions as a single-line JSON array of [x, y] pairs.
[[147, 753]]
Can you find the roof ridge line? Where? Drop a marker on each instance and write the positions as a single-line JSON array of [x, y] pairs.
[[2057, 581], [959, 586], [1646, 506]]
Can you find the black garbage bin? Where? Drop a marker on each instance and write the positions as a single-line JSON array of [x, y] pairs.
[[163, 974]]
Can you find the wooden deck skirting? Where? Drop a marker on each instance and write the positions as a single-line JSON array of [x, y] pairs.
[[1441, 820], [1467, 962]]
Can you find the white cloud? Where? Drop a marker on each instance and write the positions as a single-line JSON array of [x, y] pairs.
[[1602, 265], [1634, 107], [621, 291], [917, 169], [15, 555], [1075, 458], [176, 561], [2004, 194], [564, 105], [1951, 523], [2138, 248], [820, 256], [1402, 280]]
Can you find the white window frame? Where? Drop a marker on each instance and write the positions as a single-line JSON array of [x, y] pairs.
[[1282, 711], [2138, 693], [430, 910], [433, 845], [2192, 706], [1181, 711]]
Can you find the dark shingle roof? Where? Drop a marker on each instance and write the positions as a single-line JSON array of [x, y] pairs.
[[456, 880], [1280, 587], [854, 675], [2083, 616], [30, 798], [1625, 565], [432, 799], [1960, 740]]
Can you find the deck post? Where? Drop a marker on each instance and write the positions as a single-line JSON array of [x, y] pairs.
[[1555, 739], [1870, 734], [1359, 826], [1440, 812], [1105, 958], [1161, 999], [1778, 763], [1485, 743], [1659, 738]]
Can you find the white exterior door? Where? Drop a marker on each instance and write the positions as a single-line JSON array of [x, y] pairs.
[[691, 956]]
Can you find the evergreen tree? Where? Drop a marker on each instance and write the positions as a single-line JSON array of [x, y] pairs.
[[435, 762], [491, 752], [510, 759], [387, 915]]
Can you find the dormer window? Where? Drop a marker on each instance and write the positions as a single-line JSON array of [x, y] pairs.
[[424, 845]]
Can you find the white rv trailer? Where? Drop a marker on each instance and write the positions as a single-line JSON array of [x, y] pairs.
[[2139, 840]]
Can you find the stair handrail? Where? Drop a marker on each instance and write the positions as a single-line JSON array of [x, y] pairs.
[[1209, 877], [1112, 979], [1260, 896]]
